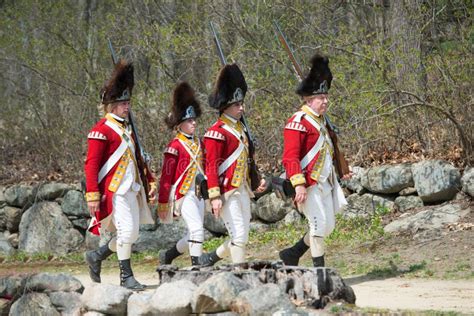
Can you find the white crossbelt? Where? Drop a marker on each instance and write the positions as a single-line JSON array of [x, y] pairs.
[[235, 155]]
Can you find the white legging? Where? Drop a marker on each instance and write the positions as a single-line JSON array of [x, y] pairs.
[[192, 211], [236, 216], [126, 218]]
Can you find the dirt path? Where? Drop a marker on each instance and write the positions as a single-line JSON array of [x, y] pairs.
[[392, 293]]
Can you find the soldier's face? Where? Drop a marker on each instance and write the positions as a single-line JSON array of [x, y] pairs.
[[236, 110], [121, 109], [188, 126], [318, 103]]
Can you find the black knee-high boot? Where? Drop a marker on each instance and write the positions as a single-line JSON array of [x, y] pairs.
[[167, 257], [291, 256], [209, 259], [94, 259], [318, 261], [127, 279], [195, 261]]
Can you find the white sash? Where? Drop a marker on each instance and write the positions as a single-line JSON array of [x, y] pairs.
[[235, 155], [110, 163]]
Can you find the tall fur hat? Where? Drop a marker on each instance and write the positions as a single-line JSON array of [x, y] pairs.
[[119, 86], [230, 87], [319, 78], [184, 105]]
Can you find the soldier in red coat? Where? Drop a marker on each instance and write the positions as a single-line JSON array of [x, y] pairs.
[[308, 157], [114, 191], [227, 165], [181, 164]]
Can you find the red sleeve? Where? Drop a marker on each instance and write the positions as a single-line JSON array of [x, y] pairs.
[[95, 153], [168, 171], [293, 141], [213, 157]]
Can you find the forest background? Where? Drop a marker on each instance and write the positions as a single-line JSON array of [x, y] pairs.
[[402, 88]]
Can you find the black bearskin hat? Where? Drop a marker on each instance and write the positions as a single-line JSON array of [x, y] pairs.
[[184, 105], [119, 86], [319, 78], [230, 87]]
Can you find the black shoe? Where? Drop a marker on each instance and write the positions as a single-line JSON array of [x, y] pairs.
[[291, 256], [195, 261], [209, 259], [167, 257], [127, 280], [94, 259], [318, 261]]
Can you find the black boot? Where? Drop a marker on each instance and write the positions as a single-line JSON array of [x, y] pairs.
[[167, 257], [291, 256], [127, 280], [318, 261], [209, 259], [195, 261], [94, 259]]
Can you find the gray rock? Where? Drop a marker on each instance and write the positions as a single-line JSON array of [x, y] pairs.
[[467, 181], [12, 217], [6, 247], [271, 209], [258, 226], [91, 241], [82, 223], [165, 236], [408, 202], [13, 239], [75, 204], [387, 179], [367, 204], [354, 184], [293, 217], [430, 219], [44, 228], [37, 304], [106, 298], [67, 303], [407, 191], [139, 304], [18, 195], [216, 293], [262, 300], [49, 282], [11, 286], [181, 291], [213, 224], [436, 180], [50, 191]]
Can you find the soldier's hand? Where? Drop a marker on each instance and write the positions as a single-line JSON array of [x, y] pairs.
[[216, 205], [301, 195], [93, 207], [162, 215], [262, 186], [347, 176], [152, 196]]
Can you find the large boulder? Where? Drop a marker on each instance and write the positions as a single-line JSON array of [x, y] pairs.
[[387, 179], [262, 300], [11, 286], [181, 291], [74, 204], [367, 205], [271, 209], [430, 219], [34, 303], [18, 195], [106, 298], [48, 282], [44, 228], [467, 181], [139, 304], [354, 184], [67, 303], [165, 236], [50, 191], [216, 293], [408, 202], [436, 180]]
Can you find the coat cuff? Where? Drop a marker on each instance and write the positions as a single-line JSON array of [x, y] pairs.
[[214, 192], [162, 207], [92, 196], [297, 179]]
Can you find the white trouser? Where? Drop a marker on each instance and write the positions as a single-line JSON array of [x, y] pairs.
[[126, 219], [192, 211], [319, 211], [236, 216]]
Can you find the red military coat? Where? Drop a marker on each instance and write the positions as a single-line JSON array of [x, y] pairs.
[[220, 144], [103, 141], [299, 138], [176, 161]]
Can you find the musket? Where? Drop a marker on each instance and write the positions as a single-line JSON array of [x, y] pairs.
[[143, 158], [254, 177], [341, 164]]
